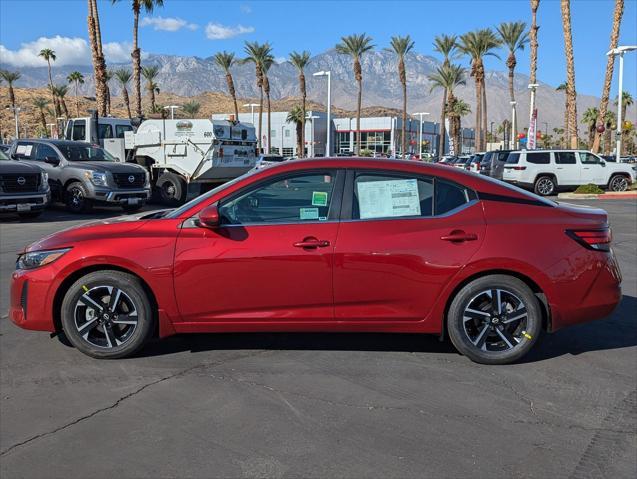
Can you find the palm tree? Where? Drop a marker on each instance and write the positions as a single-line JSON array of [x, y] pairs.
[[150, 73], [297, 116], [225, 60], [477, 45], [589, 118], [445, 45], [107, 79], [535, 4], [99, 65], [10, 77], [41, 104], [610, 123], [300, 60], [514, 37], [448, 77], [123, 76], [266, 89], [401, 46], [571, 93], [49, 55], [148, 6], [562, 87], [191, 108], [77, 78], [460, 109], [60, 92], [610, 63], [258, 54], [356, 46], [627, 100]]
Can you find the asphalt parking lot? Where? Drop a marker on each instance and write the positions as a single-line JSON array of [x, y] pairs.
[[321, 405]]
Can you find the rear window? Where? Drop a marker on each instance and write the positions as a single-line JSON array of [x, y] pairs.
[[538, 158], [513, 158]]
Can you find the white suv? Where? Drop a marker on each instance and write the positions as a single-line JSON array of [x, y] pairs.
[[545, 171]]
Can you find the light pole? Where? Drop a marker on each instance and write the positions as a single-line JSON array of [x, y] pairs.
[[620, 93], [328, 143], [251, 106], [312, 118], [513, 145], [172, 109], [492, 131], [16, 113], [420, 114]]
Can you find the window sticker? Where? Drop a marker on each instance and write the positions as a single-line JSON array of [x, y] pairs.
[[319, 198], [309, 213], [386, 199], [27, 150], [20, 149]]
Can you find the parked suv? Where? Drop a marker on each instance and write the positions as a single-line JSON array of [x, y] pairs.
[[492, 163], [82, 174], [547, 170], [24, 189]]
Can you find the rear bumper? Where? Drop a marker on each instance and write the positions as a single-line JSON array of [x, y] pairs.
[[24, 202]]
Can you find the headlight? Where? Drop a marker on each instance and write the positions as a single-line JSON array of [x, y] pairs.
[[147, 178], [35, 259], [98, 179], [44, 179]]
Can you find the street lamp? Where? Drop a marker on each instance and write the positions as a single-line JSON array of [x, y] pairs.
[[420, 114], [251, 106], [513, 103], [16, 113], [328, 143], [618, 133], [492, 131], [172, 109], [312, 118]]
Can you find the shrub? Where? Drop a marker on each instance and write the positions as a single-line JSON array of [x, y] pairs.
[[589, 189], [366, 152]]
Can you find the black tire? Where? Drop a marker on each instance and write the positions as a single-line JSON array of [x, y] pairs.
[[545, 185], [132, 208], [493, 347], [76, 199], [172, 189], [132, 304], [31, 215], [618, 183]]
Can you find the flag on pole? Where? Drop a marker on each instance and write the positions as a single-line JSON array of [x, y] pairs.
[[531, 136]]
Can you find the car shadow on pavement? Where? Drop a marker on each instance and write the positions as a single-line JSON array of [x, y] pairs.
[[616, 332]]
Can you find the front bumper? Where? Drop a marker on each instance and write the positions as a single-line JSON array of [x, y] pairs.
[[121, 196], [24, 202], [31, 298]]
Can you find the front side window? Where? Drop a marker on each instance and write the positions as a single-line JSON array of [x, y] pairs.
[[44, 151], [589, 158], [84, 152], [538, 158], [294, 199], [104, 131], [565, 157], [79, 130], [121, 129]]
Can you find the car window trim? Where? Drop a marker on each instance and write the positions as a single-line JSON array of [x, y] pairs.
[[335, 206]]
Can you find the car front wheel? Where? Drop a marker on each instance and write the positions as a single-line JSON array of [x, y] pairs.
[[618, 183], [107, 314], [76, 198], [495, 319]]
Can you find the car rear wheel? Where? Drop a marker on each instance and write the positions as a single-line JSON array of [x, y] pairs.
[[76, 198], [495, 319], [107, 315], [544, 186], [618, 183]]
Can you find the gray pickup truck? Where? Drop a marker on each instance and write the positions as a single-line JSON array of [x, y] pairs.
[[24, 189], [82, 175]]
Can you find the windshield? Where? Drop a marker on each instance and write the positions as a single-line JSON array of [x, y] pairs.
[[3, 156], [194, 202], [84, 153]]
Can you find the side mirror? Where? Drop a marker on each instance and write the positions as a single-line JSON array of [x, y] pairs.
[[52, 160], [209, 217], [602, 162]]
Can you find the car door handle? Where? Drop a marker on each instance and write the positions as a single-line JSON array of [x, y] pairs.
[[312, 243], [459, 237]]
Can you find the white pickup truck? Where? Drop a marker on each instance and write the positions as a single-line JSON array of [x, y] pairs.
[[546, 171]]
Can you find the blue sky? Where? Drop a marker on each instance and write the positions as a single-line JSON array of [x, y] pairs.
[[203, 27]]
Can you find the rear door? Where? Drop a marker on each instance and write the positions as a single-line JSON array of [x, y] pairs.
[[567, 168], [403, 236]]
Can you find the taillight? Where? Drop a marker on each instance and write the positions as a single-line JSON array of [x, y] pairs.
[[519, 168], [598, 240]]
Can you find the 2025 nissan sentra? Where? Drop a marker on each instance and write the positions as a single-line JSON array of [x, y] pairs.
[[340, 245]]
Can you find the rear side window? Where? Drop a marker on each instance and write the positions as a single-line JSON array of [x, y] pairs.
[[513, 158], [386, 196], [449, 196], [538, 158], [565, 157], [44, 151]]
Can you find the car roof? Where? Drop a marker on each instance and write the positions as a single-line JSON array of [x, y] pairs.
[[55, 142]]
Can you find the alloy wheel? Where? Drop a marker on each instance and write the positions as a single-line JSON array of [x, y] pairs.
[[168, 191], [619, 183], [545, 186], [495, 320], [105, 316], [77, 197]]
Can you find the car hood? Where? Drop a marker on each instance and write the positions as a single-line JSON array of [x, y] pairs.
[[17, 167], [110, 166], [100, 229]]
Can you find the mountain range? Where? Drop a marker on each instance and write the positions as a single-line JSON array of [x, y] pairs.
[[192, 76]]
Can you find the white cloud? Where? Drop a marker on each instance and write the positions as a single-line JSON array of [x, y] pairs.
[[168, 24], [247, 9], [69, 51], [217, 31]]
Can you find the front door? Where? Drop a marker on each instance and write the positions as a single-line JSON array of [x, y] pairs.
[[408, 235], [271, 260], [593, 170]]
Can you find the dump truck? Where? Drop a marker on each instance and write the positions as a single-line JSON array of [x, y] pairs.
[[187, 157]]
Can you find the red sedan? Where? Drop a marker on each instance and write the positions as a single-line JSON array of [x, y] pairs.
[[351, 245]]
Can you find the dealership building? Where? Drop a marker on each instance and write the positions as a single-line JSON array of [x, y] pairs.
[[380, 135]]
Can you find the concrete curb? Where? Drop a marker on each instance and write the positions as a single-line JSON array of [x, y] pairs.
[[624, 195]]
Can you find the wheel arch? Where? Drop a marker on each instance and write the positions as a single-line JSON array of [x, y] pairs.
[[72, 180], [540, 175], [73, 277]]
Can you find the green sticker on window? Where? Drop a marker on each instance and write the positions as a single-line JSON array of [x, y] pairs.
[[309, 213], [319, 198]]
